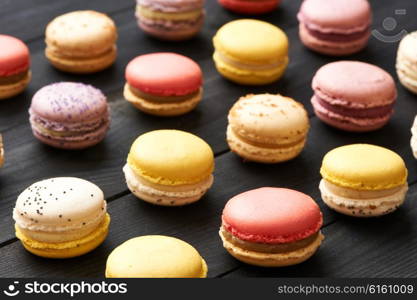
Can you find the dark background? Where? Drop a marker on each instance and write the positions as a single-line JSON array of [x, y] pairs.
[[380, 247]]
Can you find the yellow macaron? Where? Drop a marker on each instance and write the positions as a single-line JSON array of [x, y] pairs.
[[81, 42], [251, 52], [155, 256], [267, 128], [169, 167], [363, 180]]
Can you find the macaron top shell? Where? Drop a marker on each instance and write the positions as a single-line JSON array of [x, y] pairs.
[[408, 47], [82, 33], [268, 118], [155, 256], [171, 157], [69, 102], [341, 16], [14, 56], [164, 74], [252, 40], [272, 216], [364, 167], [60, 203], [360, 84]]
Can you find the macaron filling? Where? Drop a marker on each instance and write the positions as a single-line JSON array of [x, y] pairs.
[[267, 247], [165, 193], [14, 78], [250, 66], [338, 37], [348, 110], [165, 98]]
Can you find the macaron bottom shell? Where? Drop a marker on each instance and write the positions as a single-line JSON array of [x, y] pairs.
[[271, 259], [12, 89], [66, 249], [261, 154], [362, 203], [68, 144], [165, 34], [347, 123], [162, 109], [246, 76], [79, 65]]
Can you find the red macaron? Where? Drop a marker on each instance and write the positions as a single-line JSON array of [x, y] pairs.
[[163, 84], [271, 227], [14, 66]]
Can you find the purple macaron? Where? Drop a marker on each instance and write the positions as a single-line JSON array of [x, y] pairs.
[[69, 115]]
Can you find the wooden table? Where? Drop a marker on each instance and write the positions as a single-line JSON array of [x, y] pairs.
[[380, 247]]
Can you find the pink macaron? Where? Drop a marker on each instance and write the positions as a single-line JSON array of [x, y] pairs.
[[69, 115], [335, 28], [14, 66], [250, 7], [353, 96], [271, 227], [163, 84]]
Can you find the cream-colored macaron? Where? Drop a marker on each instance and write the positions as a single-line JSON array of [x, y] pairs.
[[267, 128], [81, 42], [407, 62], [155, 256], [61, 217]]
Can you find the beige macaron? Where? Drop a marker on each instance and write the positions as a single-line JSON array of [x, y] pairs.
[[407, 62], [267, 128], [81, 42]]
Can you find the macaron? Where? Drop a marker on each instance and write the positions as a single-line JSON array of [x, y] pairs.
[[61, 217], [251, 52], [15, 72], [413, 141], [271, 227], [407, 62], [267, 128], [163, 84], [155, 256], [335, 28], [353, 96], [169, 167], [81, 41], [69, 115], [250, 7], [172, 20], [1, 151], [363, 180]]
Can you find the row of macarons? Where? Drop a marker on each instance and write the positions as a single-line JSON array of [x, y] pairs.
[[248, 51], [348, 95], [66, 217]]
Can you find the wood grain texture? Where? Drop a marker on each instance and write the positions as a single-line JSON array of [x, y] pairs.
[[377, 247]]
